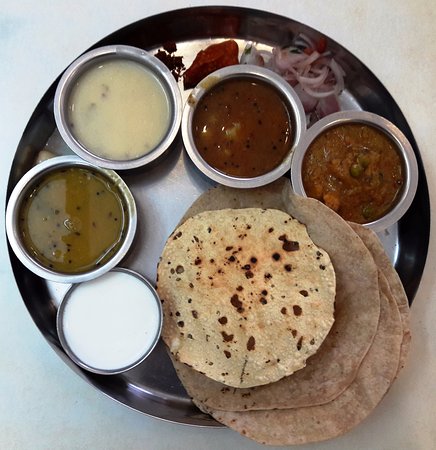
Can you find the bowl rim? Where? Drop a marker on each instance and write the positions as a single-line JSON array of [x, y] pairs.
[[124, 52], [242, 71], [392, 131], [13, 207], [66, 347]]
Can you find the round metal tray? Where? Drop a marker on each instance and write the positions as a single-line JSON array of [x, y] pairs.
[[164, 191]]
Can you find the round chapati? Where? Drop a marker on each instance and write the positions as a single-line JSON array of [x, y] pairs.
[[247, 296], [318, 423], [334, 366], [393, 288]]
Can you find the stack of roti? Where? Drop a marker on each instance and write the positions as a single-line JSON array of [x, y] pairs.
[[283, 321]]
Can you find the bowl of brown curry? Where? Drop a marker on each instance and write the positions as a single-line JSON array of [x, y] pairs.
[[360, 165], [241, 124]]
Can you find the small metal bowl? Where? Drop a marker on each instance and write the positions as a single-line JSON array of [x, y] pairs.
[[96, 331], [290, 98], [98, 56], [29, 181], [410, 167]]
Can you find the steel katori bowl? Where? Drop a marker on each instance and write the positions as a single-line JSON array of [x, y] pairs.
[[97, 58], [290, 99], [27, 186], [111, 324], [401, 144]]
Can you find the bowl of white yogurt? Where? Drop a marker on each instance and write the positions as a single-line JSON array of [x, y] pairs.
[[118, 107], [110, 324]]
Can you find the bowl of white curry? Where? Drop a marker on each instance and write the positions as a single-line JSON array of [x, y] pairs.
[[118, 107]]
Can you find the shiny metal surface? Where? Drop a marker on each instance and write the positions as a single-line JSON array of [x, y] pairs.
[[97, 56], [64, 341], [405, 151], [30, 179], [290, 98], [165, 189]]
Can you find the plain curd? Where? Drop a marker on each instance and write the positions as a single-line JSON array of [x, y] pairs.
[[112, 322]]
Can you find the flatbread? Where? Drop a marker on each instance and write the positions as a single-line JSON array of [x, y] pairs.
[[247, 296], [334, 366], [318, 423], [395, 287]]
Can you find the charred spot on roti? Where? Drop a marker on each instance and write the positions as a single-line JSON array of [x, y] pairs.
[[234, 300], [239, 288], [288, 267], [180, 323], [177, 236], [197, 261], [227, 337], [304, 293], [297, 310], [288, 245], [276, 256], [180, 269], [263, 300], [284, 310], [253, 260], [228, 354], [194, 314], [300, 343], [322, 266], [222, 320], [251, 343], [249, 274]]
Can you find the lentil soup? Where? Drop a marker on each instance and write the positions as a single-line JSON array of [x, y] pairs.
[[72, 220]]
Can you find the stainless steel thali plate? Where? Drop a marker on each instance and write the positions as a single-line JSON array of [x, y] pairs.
[[164, 191]]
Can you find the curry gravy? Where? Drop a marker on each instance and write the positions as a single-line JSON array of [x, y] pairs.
[[355, 169], [242, 127]]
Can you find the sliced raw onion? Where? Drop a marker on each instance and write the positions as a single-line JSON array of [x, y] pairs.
[[317, 77]]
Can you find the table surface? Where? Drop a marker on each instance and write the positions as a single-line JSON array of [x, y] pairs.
[[44, 405]]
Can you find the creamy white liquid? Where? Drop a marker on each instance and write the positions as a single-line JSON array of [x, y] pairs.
[[119, 110], [111, 322]]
